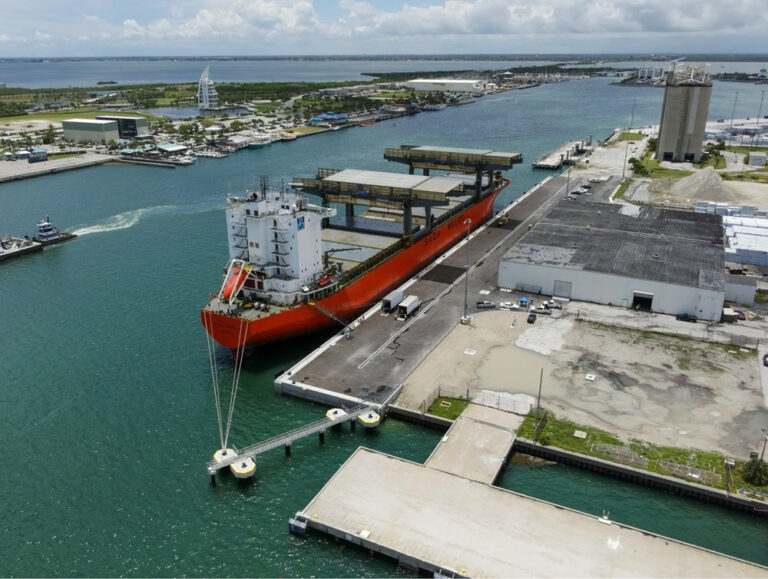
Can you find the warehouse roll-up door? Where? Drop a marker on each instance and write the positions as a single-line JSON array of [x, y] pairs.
[[562, 289]]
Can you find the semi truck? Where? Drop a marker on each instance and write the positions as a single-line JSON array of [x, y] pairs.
[[406, 308], [391, 301]]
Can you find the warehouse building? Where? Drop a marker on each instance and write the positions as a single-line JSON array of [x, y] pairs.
[[128, 127], [447, 85], [98, 131], [658, 260]]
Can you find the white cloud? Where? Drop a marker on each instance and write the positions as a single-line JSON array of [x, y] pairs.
[[358, 26]]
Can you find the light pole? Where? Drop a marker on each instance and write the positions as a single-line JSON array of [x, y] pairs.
[[626, 149], [765, 439], [464, 318]]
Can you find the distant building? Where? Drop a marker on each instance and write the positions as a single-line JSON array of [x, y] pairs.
[[757, 159], [128, 127], [207, 97], [100, 131], [648, 259], [447, 85], [38, 154], [684, 115], [329, 119]]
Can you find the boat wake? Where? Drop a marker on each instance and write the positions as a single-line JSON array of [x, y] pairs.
[[131, 218]]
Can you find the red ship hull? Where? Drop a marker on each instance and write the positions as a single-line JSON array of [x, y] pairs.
[[352, 300]]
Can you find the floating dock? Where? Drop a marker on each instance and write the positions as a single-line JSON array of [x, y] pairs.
[[567, 154], [435, 522]]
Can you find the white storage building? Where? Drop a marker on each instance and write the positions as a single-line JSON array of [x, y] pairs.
[[100, 131], [658, 260], [447, 85], [746, 239]]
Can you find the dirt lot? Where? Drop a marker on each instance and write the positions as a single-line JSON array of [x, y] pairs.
[[661, 389]]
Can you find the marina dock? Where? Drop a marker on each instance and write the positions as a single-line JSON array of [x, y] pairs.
[[567, 154], [435, 522]]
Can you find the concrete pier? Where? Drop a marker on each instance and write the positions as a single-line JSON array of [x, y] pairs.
[[432, 521], [370, 367], [476, 447], [14, 170], [566, 154]]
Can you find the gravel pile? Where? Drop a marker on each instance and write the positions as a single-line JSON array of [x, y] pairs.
[[704, 185]]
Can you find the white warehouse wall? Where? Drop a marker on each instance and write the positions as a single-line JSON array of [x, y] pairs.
[[614, 290]]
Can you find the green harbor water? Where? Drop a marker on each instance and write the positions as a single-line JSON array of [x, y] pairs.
[[108, 415]]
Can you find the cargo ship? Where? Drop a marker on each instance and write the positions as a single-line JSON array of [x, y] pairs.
[[297, 268]]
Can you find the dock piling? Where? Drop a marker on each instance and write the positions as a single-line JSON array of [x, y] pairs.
[[288, 449], [321, 435]]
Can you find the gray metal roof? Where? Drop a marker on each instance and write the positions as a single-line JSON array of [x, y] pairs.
[[382, 178], [677, 247]]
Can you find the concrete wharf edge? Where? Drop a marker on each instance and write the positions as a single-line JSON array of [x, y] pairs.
[[643, 477], [67, 164], [605, 467], [436, 522], [292, 381]]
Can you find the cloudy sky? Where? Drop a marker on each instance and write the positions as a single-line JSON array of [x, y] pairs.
[[289, 27]]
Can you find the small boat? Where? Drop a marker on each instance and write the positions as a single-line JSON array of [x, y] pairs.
[[288, 136], [49, 235], [335, 414], [369, 419], [259, 140], [243, 468]]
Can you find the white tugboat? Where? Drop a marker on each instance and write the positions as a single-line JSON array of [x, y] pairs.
[[49, 235]]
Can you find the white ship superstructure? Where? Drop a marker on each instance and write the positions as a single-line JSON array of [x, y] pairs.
[[276, 238]]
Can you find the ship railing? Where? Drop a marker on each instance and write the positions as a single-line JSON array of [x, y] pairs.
[[364, 267], [320, 292]]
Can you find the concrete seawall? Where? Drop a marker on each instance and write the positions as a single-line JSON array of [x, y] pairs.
[[642, 477], [15, 170]]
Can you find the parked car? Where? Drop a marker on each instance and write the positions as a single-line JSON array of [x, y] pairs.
[[576, 192], [765, 359], [508, 306], [595, 180], [740, 314], [553, 305], [531, 318], [687, 318], [485, 305], [586, 186]]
